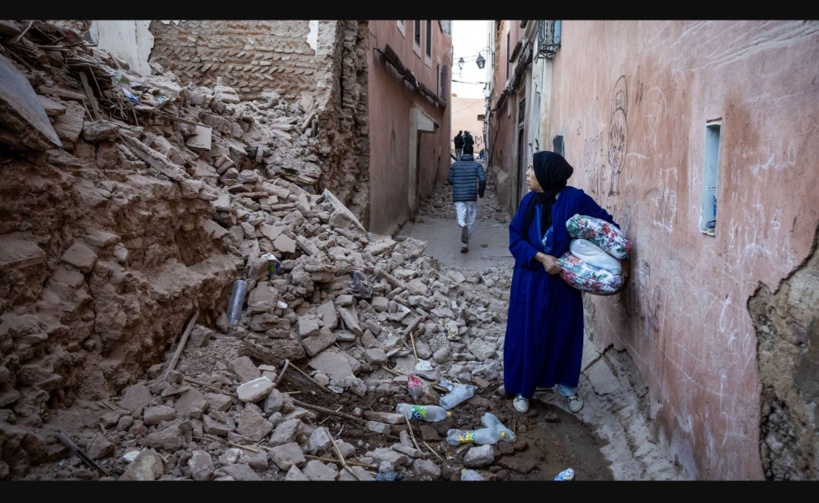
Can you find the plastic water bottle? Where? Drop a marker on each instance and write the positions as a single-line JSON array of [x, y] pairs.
[[482, 436], [429, 413], [237, 300], [457, 393], [273, 266], [469, 474], [491, 421], [566, 475]]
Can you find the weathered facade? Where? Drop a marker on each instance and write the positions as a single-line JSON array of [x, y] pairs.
[[319, 64], [667, 122], [379, 114], [409, 80]]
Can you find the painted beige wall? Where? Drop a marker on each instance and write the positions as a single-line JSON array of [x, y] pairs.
[[651, 87], [465, 113]]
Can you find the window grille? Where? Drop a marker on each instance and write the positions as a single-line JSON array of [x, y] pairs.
[[548, 38]]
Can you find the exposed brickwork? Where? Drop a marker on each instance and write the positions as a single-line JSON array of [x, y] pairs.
[[250, 56], [254, 57], [343, 124]]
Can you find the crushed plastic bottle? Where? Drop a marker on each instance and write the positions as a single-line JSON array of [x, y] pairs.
[[415, 386], [237, 300], [457, 393], [491, 421], [470, 474], [481, 436], [429, 413], [273, 266], [566, 475], [388, 476]]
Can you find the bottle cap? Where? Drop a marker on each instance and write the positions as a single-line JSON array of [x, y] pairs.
[[503, 434], [449, 413]]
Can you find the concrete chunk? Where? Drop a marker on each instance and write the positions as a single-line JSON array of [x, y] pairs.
[[17, 252], [255, 390]]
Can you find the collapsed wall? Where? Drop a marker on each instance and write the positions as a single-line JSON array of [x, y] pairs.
[[321, 65], [118, 221], [787, 328], [131, 206]]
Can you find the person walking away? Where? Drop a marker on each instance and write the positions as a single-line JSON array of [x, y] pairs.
[[468, 180], [543, 345], [459, 145], [468, 140]]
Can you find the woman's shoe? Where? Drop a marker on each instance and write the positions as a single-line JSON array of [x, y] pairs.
[[575, 402], [521, 404]]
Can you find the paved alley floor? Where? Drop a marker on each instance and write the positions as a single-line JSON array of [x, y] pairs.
[[437, 225], [614, 407]]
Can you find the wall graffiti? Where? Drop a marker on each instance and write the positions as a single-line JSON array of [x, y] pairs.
[[640, 275], [754, 234], [667, 199], [618, 134], [655, 115], [651, 311], [657, 310], [593, 162]]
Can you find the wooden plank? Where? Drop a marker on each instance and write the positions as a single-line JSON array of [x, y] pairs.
[[80, 454], [95, 108], [178, 352]]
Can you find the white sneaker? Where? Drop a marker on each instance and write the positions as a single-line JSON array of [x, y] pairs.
[[575, 402], [521, 404]]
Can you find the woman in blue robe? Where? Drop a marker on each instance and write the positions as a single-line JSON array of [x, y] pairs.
[[543, 346]]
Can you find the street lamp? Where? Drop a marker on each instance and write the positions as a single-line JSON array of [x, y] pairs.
[[479, 59]]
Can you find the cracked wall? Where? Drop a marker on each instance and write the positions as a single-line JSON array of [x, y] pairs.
[[787, 328], [321, 65]]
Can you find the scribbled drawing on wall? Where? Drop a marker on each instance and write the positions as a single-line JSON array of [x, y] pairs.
[[634, 292], [593, 162], [618, 134], [754, 235], [657, 311], [667, 199], [655, 116]]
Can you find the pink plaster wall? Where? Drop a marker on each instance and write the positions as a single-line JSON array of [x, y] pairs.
[[651, 86], [502, 130], [391, 100]]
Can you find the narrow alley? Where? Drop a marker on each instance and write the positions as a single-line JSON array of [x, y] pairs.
[[612, 412]]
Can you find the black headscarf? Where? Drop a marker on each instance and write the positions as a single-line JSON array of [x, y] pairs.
[[552, 171]]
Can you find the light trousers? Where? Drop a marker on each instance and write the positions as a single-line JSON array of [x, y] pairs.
[[466, 212]]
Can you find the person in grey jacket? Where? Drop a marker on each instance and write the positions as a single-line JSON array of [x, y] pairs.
[[468, 180]]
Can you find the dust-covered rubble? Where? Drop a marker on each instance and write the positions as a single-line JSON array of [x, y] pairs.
[[132, 206]]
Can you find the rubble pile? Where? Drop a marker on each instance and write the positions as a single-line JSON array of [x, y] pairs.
[[131, 208]]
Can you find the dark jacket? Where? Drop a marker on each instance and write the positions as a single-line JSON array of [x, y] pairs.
[[468, 179], [459, 141], [468, 140]]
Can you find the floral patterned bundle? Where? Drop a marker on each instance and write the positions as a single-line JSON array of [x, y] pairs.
[[593, 262], [603, 234], [588, 278]]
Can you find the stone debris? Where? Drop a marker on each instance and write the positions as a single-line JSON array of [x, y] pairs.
[[132, 203]]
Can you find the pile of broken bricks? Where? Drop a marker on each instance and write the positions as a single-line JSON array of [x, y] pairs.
[[315, 363]]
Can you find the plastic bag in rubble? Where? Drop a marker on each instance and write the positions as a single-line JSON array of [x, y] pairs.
[[360, 287], [388, 476], [415, 386]]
